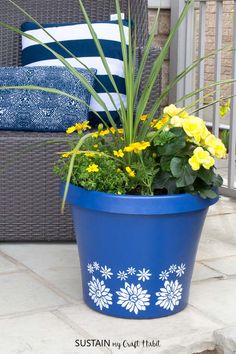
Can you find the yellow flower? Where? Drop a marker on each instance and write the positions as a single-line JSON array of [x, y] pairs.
[[71, 130], [200, 158], [92, 168], [112, 130], [95, 146], [144, 117], [194, 127], [118, 153], [130, 172], [104, 132], [79, 127], [176, 121], [172, 111], [95, 135], [153, 123], [120, 131], [194, 163], [70, 153], [215, 146], [136, 147], [119, 193], [89, 154]]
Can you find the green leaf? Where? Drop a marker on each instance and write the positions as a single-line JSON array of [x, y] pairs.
[[163, 138], [206, 176], [172, 148], [176, 166], [208, 193], [187, 178], [165, 163]]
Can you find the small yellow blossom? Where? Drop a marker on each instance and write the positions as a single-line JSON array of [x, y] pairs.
[[120, 131], [136, 147], [89, 154], [95, 146], [70, 153], [215, 146], [200, 158], [118, 153], [172, 111], [104, 132], [119, 193], [95, 135], [118, 170], [153, 123], [130, 172], [176, 121], [71, 130], [92, 168], [79, 127], [194, 127], [159, 125], [112, 130], [144, 117]]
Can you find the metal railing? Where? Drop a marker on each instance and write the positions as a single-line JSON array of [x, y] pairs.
[[190, 44]]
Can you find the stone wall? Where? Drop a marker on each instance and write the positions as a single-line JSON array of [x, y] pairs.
[[164, 28]]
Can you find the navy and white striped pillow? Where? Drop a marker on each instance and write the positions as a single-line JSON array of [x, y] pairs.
[[77, 38]]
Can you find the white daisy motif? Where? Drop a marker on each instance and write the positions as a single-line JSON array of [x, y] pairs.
[[173, 268], [106, 272], [131, 270], [90, 268], [96, 266], [122, 275], [169, 296], [143, 274], [133, 298], [99, 293], [164, 275], [180, 270]]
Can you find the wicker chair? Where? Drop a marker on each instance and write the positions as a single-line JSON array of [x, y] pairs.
[[29, 191]]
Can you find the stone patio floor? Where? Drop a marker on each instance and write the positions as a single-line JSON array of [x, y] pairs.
[[42, 311]]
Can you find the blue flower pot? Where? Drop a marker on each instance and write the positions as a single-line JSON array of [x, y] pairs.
[[137, 253]]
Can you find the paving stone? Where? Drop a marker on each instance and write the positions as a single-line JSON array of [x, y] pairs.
[[220, 228], [20, 292], [226, 265], [201, 272], [60, 265], [216, 299], [225, 205], [209, 249], [43, 255], [226, 339], [41, 333], [8, 266], [188, 329]]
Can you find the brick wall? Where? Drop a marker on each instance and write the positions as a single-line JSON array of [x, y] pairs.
[[164, 28]]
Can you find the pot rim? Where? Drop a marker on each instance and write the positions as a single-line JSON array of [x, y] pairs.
[[135, 204]]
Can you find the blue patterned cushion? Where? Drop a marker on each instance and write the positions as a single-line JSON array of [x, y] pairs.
[[37, 110], [77, 38]]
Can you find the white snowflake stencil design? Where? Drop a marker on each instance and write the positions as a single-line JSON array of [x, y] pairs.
[[133, 298], [106, 272], [143, 274], [99, 293], [122, 275], [96, 265], [164, 275], [173, 268], [180, 270], [131, 270], [169, 296], [90, 268]]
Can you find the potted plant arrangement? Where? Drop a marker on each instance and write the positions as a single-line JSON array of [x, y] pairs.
[[139, 190]]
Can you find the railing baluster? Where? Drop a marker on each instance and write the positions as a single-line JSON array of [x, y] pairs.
[[201, 44], [232, 140], [218, 38]]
